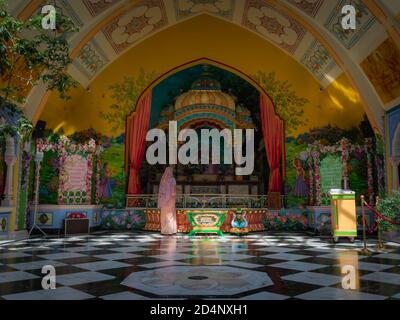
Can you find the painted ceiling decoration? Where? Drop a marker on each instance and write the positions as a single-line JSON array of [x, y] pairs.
[[349, 38], [383, 69], [65, 9], [90, 59], [96, 7], [121, 30], [144, 19], [187, 8], [318, 60], [310, 7], [280, 29]]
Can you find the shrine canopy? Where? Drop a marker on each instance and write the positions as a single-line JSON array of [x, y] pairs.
[[206, 105]]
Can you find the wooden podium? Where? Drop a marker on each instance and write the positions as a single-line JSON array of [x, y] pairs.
[[343, 214]]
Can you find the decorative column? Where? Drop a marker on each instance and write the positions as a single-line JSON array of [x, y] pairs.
[[10, 159], [345, 159], [98, 178], [317, 177], [370, 177], [395, 165], [311, 180]]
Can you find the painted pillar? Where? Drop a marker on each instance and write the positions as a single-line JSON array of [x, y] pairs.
[[395, 166], [10, 159]]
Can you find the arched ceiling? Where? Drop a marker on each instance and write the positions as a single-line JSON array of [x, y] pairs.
[[229, 47], [306, 30]]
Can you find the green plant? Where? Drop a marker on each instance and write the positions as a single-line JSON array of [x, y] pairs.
[[126, 94], [389, 207], [23, 129], [44, 56], [288, 104]]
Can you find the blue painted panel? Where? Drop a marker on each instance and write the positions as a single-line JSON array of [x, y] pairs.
[[57, 214], [393, 121]]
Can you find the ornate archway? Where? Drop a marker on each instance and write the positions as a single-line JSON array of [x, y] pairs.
[[137, 124]]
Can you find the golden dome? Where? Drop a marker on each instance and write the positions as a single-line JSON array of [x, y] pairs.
[[205, 91]]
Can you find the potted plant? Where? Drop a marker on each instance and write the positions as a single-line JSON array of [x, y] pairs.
[[389, 207]]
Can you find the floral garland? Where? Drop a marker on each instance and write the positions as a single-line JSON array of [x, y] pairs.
[[368, 147], [345, 160], [317, 177], [311, 181], [65, 145], [98, 168], [343, 143], [89, 175]]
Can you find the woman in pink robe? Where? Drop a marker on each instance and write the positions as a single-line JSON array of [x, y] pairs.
[[166, 202]]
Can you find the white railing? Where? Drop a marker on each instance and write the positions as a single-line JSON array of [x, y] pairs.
[[202, 201]]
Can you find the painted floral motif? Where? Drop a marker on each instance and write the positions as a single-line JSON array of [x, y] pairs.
[[91, 60], [286, 221], [122, 219], [96, 7], [318, 60], [349, 38], [185, 8], [268, 22], [311, 7], [132, 26]]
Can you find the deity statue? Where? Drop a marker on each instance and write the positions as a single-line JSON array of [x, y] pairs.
[[166, 202]]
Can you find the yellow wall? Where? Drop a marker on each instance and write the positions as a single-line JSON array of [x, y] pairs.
[[220, 41]]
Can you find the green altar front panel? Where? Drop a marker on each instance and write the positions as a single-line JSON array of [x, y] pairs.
[[206, 221]]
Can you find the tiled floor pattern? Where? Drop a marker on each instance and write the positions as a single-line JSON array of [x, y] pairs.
[[141, 266]]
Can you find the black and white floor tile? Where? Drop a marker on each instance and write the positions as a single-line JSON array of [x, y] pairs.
[[142, 266]]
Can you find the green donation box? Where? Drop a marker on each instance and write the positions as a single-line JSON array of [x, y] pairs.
[[343, 214], [204, 221]]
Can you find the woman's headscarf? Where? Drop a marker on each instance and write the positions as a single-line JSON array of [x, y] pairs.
[[166, 189]]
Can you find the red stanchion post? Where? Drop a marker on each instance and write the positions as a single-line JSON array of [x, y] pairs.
[[379, 245], [364, 250]]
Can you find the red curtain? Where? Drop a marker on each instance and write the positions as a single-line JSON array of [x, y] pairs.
[[272, 127], [136, 131]]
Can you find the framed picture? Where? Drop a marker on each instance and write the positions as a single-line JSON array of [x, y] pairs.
[[44, 218], [3, 224]]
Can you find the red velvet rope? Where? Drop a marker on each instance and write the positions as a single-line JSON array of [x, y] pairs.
[[370, 230], [380, 215]]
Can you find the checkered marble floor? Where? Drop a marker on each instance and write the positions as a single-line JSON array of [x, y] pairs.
[[141, 266]]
